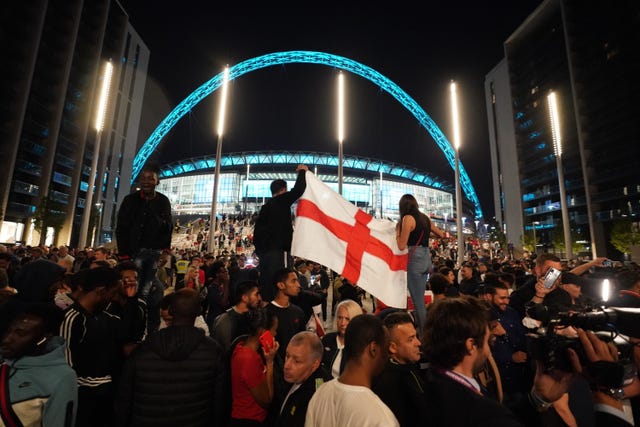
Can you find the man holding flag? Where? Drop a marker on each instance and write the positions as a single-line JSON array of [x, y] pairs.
[[335, 233], [273, 230]]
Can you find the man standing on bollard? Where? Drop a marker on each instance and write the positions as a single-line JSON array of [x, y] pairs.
[[274, 230], [144, 228]]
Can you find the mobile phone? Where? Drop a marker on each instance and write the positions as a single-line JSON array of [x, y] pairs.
[[607, 263], [551, 277], [267, 341]]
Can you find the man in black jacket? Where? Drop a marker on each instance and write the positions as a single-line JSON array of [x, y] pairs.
[[274, 230], [304, 371], [176, 377], [143, 230], [399, 385]]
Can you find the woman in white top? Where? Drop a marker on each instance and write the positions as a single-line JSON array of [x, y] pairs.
[[333, 342]]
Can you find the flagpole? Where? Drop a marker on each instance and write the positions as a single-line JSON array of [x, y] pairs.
[[340, 128], [216, 176]]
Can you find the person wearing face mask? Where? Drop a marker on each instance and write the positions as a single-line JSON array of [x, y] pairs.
[[37, 386]]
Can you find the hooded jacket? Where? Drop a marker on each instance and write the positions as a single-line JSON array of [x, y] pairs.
[[43, 388], [174, 378]]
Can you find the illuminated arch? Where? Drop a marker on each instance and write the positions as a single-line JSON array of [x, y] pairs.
[[308, 57]]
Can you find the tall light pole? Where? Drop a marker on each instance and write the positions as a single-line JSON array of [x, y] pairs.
[[381, 214], [246, 193], [103, 103], [216, 176], [456, 145], [535, 242], [554, 118], [340, 128]]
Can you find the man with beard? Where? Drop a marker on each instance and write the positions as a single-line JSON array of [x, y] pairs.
[[456, 344], [509, 349]]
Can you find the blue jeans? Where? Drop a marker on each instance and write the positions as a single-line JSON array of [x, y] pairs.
[[417, 275], [150, 289]]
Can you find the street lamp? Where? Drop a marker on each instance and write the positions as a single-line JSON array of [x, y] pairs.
[[216, 176], [381, 214], [557, 150], [246, 193], [456, 143], [445, 220], [535, 243], [340, 128], [103, 103]]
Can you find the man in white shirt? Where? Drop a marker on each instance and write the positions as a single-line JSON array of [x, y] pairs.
[[348, 400]]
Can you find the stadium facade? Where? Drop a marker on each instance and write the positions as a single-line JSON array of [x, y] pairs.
[[373, 185]]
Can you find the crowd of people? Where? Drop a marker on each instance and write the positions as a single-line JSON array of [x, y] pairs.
[[147, 335]]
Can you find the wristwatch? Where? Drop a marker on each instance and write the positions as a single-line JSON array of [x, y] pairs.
[[538, 402]]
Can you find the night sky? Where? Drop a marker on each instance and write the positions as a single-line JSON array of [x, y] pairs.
[[292, 107]]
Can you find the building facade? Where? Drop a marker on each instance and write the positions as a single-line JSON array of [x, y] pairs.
[[585, 52], [53, 62]]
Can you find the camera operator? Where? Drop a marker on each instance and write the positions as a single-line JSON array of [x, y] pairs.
[[533, 291], [601, 357]]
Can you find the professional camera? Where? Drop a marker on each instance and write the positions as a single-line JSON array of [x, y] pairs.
[[549, 345]]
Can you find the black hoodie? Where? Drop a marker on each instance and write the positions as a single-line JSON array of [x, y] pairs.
[[175, 378]]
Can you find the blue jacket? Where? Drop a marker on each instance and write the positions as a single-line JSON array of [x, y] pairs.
[[43, 388]]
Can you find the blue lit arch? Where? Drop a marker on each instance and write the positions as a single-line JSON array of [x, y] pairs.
[[308, 57]]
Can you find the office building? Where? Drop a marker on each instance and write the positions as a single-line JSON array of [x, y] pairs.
[[587, 53], [53, 65]]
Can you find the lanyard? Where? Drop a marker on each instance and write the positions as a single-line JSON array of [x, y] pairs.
[[460, 379]]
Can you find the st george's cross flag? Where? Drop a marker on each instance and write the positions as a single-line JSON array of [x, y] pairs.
[[329, 230]]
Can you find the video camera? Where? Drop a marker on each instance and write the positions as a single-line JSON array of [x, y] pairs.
[[617, 324]]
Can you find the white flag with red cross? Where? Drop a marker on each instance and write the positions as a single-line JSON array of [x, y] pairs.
[[330, 230]]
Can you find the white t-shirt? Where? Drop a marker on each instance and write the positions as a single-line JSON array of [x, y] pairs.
[[336, 404]]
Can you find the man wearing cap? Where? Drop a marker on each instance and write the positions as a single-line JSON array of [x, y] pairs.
[[91, 345]]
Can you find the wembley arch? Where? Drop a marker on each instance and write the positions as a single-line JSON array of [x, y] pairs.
[[308, 57]]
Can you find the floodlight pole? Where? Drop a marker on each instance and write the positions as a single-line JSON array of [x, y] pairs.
[[103, 103], [216, 176], [340, 128], [557, 149], [456, 142]]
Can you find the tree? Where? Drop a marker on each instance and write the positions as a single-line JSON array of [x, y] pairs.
[[624, 234], [557, 240], [48, 213], [527, 241]]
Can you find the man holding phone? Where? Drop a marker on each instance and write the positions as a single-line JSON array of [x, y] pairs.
[[533, 289]]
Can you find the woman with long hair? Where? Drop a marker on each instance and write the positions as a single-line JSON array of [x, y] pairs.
[[191, 279], [413, 232], [333, 342]]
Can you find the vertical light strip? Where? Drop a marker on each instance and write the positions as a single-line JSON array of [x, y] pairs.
[[340, 108], [104, 96], [555, 124], [454, 116], [223, 101]]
